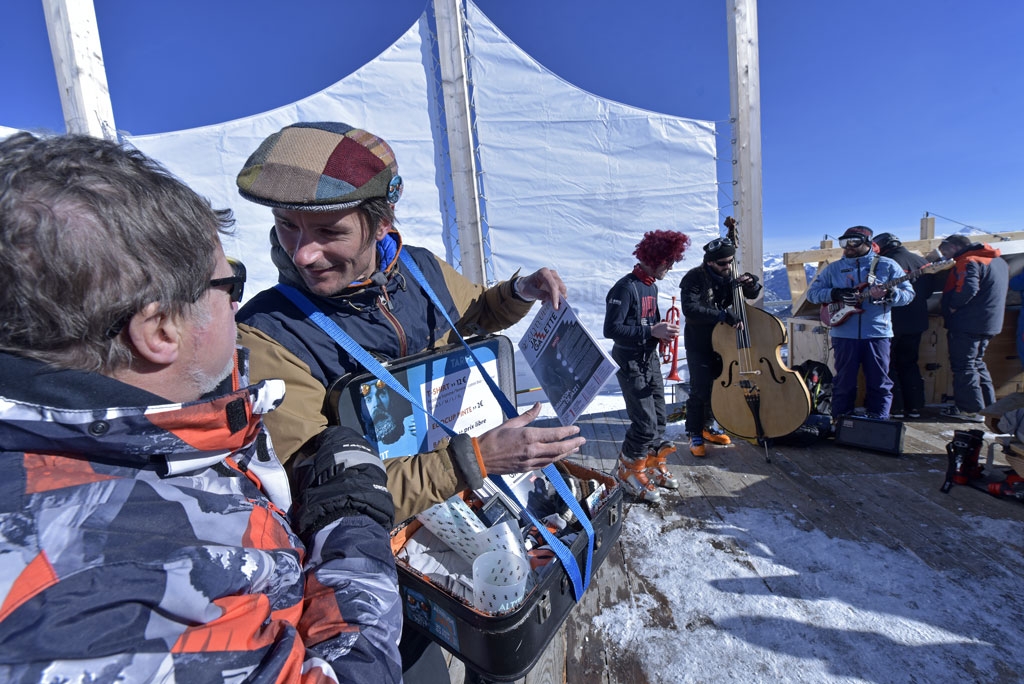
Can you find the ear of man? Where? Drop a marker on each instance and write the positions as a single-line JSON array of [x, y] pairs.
[[156, 335], [383, 228]]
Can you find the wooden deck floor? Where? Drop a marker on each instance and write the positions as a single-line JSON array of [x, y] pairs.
[[844, 492]]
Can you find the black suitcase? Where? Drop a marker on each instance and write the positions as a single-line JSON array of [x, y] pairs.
[[505, 648]]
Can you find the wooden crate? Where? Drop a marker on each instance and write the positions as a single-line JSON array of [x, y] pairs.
[[933, 358], [1002, 360], [808, 341]]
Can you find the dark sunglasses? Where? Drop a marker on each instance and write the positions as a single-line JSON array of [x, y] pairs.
[[855, 241], [724, 262], [236, 280]]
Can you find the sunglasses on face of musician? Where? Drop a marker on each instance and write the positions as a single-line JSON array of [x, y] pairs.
[[722, 266]]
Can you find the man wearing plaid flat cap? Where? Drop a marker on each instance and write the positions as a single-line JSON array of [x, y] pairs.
[[857, 283], [332, 189]]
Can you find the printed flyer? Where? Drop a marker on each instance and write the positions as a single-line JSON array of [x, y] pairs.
[[567, 360]]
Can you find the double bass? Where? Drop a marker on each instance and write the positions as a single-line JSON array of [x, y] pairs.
[[756, 395]]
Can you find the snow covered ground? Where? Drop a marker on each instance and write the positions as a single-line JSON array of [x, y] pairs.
[[754, 597]]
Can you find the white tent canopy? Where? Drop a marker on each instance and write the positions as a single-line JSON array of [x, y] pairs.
[[570, 180]]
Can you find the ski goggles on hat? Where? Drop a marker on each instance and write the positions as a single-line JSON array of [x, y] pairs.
[[717, 244]]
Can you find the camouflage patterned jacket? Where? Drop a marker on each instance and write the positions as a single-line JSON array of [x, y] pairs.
[[149, 542]]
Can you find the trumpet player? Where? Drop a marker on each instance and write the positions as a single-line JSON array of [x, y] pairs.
[[634, 324]]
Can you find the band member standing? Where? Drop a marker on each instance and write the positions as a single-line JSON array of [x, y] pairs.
[[907, 327], [863, 339], [706, 298], [633, 322]]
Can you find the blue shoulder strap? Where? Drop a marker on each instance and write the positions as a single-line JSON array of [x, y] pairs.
[[562, 552], [552, 473], [506, 406]]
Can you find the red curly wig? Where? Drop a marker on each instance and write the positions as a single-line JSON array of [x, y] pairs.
[[661, 247]]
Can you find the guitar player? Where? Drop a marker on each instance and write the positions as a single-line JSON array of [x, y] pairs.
[[861, 340]]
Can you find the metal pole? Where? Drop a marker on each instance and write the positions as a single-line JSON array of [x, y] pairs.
[[454, 85], [78, 61]]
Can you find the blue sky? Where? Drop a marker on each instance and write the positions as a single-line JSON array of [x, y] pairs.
[[873, 112]]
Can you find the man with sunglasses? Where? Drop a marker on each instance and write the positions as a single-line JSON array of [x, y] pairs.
[[706, 299], [862, 340], [149, 530]]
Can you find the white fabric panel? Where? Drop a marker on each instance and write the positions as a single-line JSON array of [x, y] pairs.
[[388, 96], [573, 180]]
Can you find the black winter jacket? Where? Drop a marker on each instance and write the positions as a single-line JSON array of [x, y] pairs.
[[706, 300], [912, 318], [631, 310], [974, 296]]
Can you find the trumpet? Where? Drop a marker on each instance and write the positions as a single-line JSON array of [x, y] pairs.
[[669, 349]]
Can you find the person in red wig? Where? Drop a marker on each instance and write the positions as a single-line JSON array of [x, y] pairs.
[[633, 322]]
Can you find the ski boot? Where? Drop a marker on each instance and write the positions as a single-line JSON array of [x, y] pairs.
[[963, 453], [657, 466], [697, 447], [632, 473], [716, 435]]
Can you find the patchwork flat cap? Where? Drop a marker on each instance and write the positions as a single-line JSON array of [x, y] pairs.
[[322, 166]]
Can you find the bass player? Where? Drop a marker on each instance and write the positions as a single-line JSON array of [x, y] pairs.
[[706, 298], [862, 340]]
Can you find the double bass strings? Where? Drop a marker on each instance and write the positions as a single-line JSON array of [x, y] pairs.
[[743, 333]]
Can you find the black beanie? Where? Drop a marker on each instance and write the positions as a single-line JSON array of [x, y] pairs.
[[718, 249]]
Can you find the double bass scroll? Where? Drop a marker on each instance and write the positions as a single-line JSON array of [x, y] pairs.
[[756, 395]]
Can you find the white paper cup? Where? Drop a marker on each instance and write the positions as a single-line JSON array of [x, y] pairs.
[[499, 581]]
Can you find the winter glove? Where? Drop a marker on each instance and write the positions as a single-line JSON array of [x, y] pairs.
[[344, 477], [847, 295], [726, 317]]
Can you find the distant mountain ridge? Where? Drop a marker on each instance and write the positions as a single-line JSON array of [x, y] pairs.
[[777, 298]]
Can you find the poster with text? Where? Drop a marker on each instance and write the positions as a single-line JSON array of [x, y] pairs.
[[568, 362], [448, 390]]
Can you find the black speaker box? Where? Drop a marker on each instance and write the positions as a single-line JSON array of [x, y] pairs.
[[871, 433]]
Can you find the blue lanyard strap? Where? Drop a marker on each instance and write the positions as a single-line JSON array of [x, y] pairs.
[[352, 347], [561, 551], [506, 406], [552, 473]]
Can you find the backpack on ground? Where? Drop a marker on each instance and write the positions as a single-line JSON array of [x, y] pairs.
[[818, 379], [818, 425]]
